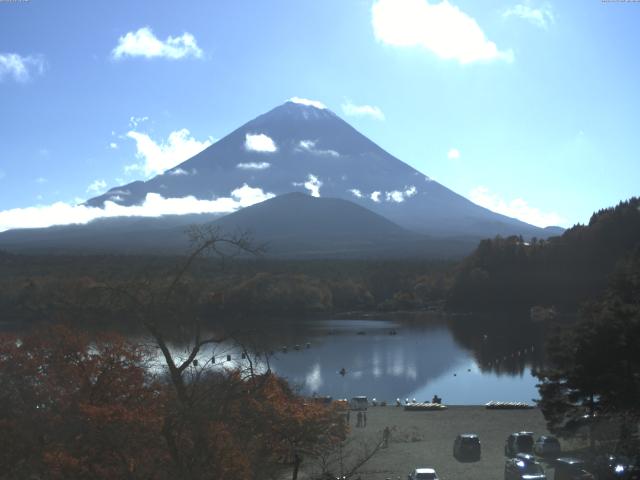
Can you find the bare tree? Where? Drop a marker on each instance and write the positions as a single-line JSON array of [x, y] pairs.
[[346, 459], [160, 306]]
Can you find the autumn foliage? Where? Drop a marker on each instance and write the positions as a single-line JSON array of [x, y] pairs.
[[74, 406]]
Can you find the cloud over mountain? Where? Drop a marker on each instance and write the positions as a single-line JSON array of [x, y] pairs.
[[154, 205], [156, 158], [259, 143]]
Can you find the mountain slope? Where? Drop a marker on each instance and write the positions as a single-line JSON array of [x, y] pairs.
[[294, 225], [297, 147]]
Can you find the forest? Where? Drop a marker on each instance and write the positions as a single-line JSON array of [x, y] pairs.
[[506, 274]]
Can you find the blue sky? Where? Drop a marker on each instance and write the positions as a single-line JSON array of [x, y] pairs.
[[530, 108]]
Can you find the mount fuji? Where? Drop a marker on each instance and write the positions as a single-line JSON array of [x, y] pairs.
[[304, 147], [370, 204]]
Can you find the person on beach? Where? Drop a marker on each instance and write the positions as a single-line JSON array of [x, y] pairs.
[[385, 437], [359, 420], [364, 418]]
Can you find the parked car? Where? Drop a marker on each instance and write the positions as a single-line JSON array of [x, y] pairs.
[[519, 442], [523, 466], [466, 446], [423, 474], [567, 468], [546, 446]]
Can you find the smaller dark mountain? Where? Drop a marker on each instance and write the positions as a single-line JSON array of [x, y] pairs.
[[297, 216], [564, 271], [293, 225]]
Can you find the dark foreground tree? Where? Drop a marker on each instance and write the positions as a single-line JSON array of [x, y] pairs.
[[593, 381]]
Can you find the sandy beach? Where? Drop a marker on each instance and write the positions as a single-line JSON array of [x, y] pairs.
[[425, 439]]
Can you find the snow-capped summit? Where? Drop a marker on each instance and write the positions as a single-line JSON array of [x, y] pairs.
[[310, 103]]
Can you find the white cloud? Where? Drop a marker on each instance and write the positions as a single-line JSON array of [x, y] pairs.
[[155, 205], [19, 67], [353, 110], [308, 103], [375, 196], [41, 180], [400, 196], [178, 171], [310, 146], [259, 143], [113, 146], [442, 28], [453, 154], [395, 196], [517, 208], [97, 186], [312, 184], [356, 193], [253, 165], [156, 158], [143, 43], [540, 17], [135, 121]]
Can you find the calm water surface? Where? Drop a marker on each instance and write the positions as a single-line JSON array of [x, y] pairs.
[[420, 360]]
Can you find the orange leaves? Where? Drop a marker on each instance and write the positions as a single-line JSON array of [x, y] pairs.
[[81, 406], [85, 408]]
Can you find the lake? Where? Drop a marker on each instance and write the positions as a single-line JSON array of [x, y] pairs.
[[389, 359]]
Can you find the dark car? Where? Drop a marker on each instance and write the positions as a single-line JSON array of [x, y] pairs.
[[567, 468], [523, 466], [546, 446], [519, 442], [467, 447]]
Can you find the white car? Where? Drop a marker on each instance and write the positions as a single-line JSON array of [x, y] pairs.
[[423, 474]]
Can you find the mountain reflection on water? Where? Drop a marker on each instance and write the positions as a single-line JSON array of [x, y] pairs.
[[461, 362]]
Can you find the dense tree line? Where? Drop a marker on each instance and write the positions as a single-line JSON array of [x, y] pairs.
[[511, 273], [592, 382], [35, 287]]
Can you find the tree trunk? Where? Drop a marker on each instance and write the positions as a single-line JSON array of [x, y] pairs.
[[296, 466]]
